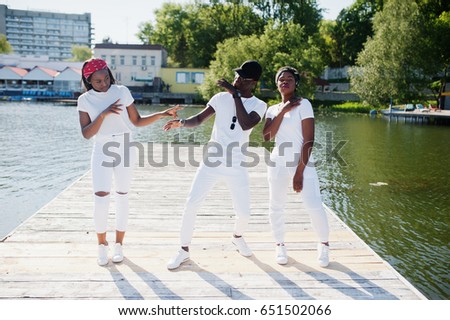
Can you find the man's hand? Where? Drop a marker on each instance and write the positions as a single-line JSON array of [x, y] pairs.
[[172, 124], [226, 85]]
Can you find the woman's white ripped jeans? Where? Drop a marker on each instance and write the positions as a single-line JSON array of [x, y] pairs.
[[112, 157], [280, 182]]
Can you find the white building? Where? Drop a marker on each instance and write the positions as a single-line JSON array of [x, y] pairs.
[[134, 65], [45, 33]]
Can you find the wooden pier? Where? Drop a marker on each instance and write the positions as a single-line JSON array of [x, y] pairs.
[[440, 117], [53, 254]]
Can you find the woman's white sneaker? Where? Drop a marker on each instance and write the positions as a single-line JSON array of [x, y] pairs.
[[118, 253], [102, 259], [281, 254], [323, 252]]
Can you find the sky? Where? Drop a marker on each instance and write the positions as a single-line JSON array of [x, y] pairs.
[[120, 20]]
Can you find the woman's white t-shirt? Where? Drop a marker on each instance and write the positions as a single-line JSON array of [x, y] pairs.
[[289, 138], [94, 102]]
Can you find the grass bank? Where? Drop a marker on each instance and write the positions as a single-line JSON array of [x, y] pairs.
[[334, 106]]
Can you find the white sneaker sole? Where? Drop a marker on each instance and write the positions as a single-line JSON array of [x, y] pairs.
[[172, 267]]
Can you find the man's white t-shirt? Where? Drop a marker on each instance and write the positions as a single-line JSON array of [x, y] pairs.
[[289, 138], [94, 102], [223, 137]]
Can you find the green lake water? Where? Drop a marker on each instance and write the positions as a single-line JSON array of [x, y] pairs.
[[388, 181]]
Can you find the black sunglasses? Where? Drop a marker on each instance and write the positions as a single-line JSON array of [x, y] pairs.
[[233, 124]]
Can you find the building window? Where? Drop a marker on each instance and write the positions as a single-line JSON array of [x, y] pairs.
[[122, 60], [183, 77], [113, 60], [103, 57], [197, 77], [144, 60], [190, 77], [134, 60], [152, 60]]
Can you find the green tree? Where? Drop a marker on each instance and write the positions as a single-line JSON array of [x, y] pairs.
[[169, 31], [81, 53], [437, 26], [330, 51], [5, 46], [353, 28], [303, 12], [278, 46], [394, 63], [190, 33]]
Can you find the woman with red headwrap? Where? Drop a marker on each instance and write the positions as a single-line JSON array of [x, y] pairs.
[[105, 111]]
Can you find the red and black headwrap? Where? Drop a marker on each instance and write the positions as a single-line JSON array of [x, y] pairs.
[[92, 66]]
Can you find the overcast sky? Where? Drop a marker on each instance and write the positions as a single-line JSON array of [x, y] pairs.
[[120, 19]]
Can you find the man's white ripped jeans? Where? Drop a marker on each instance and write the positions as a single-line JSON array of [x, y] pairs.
[[119, 162]]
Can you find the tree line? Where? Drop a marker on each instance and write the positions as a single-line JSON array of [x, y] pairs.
[[396, 48]]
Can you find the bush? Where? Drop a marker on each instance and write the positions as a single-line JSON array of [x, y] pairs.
[[356, 107]]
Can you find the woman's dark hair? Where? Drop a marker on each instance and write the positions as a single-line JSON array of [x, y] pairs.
[[291, 70], [87, 82]]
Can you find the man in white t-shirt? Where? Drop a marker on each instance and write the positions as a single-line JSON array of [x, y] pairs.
[[237, 112]]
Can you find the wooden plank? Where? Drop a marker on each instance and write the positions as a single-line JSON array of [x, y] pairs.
[[53, 254]]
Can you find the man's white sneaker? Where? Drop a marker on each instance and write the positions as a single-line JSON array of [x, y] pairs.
[[102, 259], [118, 253], [323, 254], [281, 257], [181, 256], [242, 246]]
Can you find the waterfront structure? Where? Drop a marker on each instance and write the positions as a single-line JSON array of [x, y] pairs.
[[45, 33], [68, 80], [11, 78], [39, 83], [39, 78], [30, 61]]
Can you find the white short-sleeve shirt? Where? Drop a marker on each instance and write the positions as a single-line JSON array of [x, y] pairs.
[[289, 138], [225, 108], [94, 102]]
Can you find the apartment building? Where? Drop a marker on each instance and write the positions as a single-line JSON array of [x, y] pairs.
[[45, 33]]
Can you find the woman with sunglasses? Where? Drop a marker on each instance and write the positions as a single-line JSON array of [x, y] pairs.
[[237, 112], [291, 124]]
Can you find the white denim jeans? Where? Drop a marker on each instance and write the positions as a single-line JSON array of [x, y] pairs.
[[112, 157], [237, 180], [280, 182]]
